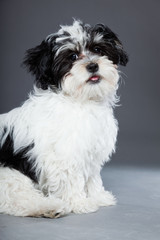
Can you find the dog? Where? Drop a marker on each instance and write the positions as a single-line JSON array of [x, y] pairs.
[[52, 148]]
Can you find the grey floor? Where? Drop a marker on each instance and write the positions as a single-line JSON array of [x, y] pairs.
[[135, 217]]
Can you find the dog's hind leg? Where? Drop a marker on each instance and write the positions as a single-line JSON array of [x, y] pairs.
[[19, 197]]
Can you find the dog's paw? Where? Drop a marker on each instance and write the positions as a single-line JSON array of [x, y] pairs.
[[56, 213], [48, 214], [105, 198], [51, 209], [86, 205], [52, 214]]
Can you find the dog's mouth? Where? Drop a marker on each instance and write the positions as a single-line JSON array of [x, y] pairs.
[[94, 79]]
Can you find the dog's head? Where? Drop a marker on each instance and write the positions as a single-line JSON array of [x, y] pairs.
[[78, 60]]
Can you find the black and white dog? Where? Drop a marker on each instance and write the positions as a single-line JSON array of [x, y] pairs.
[[52, 148]]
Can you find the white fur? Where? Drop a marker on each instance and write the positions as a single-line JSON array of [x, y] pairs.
[[72, 142], [74, 134]]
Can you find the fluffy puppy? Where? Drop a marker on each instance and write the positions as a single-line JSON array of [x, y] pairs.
[[53, 147]]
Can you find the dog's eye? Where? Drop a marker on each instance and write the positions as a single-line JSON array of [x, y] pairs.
[[74, 57], [97, 50]]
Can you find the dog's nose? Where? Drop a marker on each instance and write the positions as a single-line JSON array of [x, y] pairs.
[[92, 67]]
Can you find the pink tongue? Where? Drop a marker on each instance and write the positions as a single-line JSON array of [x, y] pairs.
[[94, 78]]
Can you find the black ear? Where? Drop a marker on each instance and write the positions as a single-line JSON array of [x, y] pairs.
[[114, 47], [38, 61]]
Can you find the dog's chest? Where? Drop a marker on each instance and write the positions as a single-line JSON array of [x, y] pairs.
[[82, 134]]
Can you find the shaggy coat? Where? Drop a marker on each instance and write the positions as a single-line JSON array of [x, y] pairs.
[[53, 147]]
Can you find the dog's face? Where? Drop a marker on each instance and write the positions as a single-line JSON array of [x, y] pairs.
[[79, 60]]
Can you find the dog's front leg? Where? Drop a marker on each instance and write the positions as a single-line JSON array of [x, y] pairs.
[[96, 191], [69, 186], [80, 202]]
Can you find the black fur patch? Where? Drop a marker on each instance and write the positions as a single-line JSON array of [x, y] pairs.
[[111, 46], [18, 161], [39, 62]]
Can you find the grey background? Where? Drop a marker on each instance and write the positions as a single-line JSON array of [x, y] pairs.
[[133, 174], [24, 24]]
